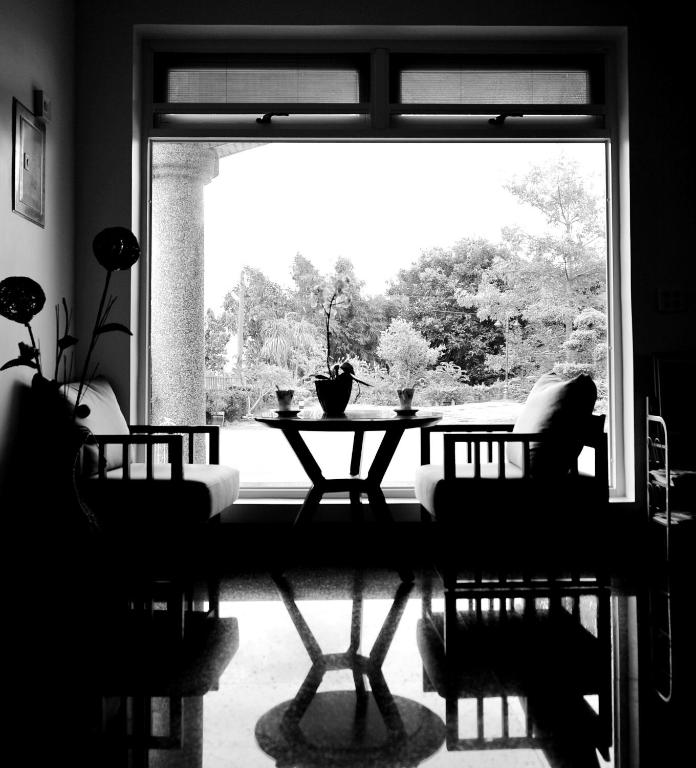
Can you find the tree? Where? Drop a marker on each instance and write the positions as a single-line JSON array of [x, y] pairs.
[[357, 333], [425, 294], [543, 281], [217, 336], [407, 353], [305, 276], [291, 343], [586, 346], [357, 329], [263, 302], [563, 270]]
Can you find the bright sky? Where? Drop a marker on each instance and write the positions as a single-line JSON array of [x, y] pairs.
[[380, 205]]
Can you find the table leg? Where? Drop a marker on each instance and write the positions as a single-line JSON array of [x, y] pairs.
[[313, 470], [378, 503], [381, 645], [385, 453], [303, 698], [355, 464], [386, 705], [303, 630], [309, 506], [375, 475], [356, 507], [356, 456], [304, 455]]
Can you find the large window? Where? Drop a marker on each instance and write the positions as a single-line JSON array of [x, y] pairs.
[[476, 257]]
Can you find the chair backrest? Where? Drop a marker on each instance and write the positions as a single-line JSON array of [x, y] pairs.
[[105, 418], [560, 409]]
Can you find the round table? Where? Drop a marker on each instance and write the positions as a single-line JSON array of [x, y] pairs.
[[388, 421]]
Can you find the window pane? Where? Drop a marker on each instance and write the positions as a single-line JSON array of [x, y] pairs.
[[474, 268], [253, 85], [494, 86]]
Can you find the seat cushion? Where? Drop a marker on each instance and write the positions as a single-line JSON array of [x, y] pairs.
[[205, 491], [435, 494], [105, 418], [512, 654], [560, 409], [514, 523], [136, 655]]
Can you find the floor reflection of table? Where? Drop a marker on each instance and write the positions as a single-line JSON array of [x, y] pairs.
[[357, 422], [349, 727]]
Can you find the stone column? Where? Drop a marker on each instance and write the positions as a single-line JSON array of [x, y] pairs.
[[179, 173], [180, 170]]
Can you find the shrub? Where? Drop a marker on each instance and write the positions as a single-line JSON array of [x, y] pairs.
[[443, 385], [237, 403]]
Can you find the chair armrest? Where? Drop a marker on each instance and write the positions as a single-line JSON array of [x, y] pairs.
[[174, 445], [474, 441], [212, 430], [426, 433]]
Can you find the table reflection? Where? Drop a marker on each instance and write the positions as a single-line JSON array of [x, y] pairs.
[[351, 728]]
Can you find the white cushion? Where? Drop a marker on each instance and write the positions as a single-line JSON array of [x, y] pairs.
[[205, 491], [105, 418], [560, 409], [496, 499], [433, 492]]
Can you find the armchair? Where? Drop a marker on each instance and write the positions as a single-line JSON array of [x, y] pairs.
[[524, 503], [150, 506], [531, 672]]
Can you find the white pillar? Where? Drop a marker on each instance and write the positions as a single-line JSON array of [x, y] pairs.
[[179, 173], [180, 170]]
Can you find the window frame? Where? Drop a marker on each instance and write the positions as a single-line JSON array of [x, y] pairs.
[[607, 124]]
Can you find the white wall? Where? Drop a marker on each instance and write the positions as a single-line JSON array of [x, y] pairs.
[[36, 51]]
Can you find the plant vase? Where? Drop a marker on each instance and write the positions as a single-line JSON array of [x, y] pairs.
[[405, 397], [334, 394]]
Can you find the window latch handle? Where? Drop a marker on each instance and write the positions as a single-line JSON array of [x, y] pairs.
[[267, 117], [500, 120]]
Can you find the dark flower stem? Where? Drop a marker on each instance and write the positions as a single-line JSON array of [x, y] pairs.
[[93, 340], [58, 349], [328, 334], [33, 344]]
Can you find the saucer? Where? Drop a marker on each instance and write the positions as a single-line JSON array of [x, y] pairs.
[[287, 412], [406, 411]]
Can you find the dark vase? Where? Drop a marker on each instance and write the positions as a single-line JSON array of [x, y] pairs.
[[61, 440], [334, 394]]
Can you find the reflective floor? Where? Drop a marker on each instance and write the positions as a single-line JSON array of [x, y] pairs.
[[352, 666]]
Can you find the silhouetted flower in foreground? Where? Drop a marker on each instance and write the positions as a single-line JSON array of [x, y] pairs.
[[20, 299], [116, 248]]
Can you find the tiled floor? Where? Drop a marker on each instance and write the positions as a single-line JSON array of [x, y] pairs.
[[274, 682], [343, 667]]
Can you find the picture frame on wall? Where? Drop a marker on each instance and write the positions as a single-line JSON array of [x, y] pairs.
[[29, 165]]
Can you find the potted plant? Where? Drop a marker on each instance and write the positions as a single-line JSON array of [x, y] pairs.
[[334, 387], [21, 299]]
